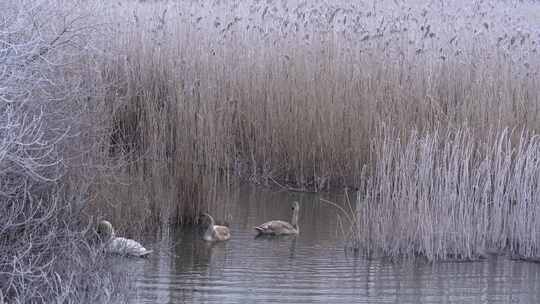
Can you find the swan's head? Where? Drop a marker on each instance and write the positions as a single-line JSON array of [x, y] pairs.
[[295, 206], [210, 220], [206, 215], [105, 230]]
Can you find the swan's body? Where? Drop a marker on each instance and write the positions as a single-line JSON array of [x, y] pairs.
[[120, 245], [216, 232], [277, 227]]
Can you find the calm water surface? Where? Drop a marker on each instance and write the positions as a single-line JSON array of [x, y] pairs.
[[313, 267]]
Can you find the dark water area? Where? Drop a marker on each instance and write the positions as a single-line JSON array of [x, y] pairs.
[[312, 267]]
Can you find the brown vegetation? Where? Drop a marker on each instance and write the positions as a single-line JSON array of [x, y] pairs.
[[211, 94]]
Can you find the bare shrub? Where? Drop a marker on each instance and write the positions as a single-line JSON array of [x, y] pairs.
[[45, 250]]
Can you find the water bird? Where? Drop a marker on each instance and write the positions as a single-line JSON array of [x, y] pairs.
[[277, 227], [216, 232], [120, 245]]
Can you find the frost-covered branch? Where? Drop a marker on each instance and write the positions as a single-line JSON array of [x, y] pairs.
[[41, 46]]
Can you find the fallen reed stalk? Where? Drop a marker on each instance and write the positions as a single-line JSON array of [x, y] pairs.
[[349, 229]]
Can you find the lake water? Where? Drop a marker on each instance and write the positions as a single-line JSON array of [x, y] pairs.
[[312, 267]]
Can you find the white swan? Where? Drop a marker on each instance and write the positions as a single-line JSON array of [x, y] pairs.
[[277, 227], [120, 245], [216, 232]]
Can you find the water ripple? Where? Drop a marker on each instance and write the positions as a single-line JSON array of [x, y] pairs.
[[311, 269]]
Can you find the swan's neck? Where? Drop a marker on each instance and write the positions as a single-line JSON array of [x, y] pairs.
[[109, 233], [294, 220], [210, 229]]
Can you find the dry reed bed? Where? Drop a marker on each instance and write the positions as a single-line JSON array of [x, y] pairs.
[[449, 195], [295, 94]]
